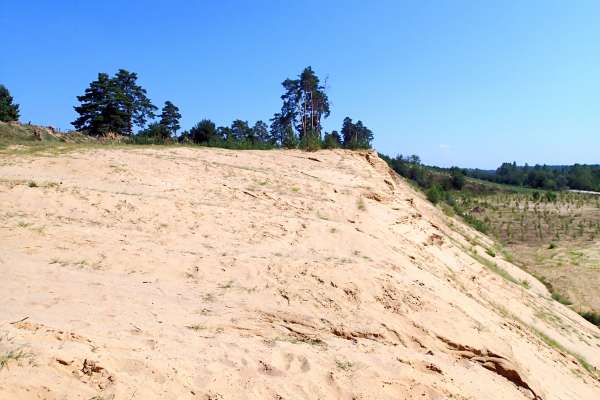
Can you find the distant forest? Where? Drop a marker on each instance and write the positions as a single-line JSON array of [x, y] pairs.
[[548, 177], [545, 177]]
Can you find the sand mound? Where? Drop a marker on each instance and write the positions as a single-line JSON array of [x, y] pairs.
[[182, 273]]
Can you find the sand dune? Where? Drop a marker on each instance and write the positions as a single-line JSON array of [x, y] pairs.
[[179, 273]]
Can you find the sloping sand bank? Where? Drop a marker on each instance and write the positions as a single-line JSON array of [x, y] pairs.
[[179, 273]]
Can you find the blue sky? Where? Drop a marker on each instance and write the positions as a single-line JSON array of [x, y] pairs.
[[466, 83]]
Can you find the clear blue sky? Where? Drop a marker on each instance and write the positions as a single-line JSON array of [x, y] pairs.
[[459, 83]]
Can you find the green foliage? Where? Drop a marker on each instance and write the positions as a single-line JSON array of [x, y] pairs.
[[435, 194], [581, 177], [476, 223], [457, 178], [203, 132], [154, 133], [561, 299], [332, 140], [113, 105], [116, 104], [591, 316], [305, 103], [356, 135], [551, 197], [260, 131], [12, 355], [290, 140], [310, 141], [169, 119], [9, 111], [492, 266]]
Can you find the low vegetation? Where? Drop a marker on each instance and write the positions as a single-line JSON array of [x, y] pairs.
[[553, 234], [591, 316], [9, 353]]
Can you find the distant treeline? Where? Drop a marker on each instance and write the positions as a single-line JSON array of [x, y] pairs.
[[545, 177], [117, 104], [579, 177]]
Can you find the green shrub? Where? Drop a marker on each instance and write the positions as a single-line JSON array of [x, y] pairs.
[[310, 141], [435, 194], [550, 197], [591, 316], [561, 299]]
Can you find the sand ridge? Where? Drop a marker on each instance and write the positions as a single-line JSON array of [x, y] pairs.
[[184, 273]]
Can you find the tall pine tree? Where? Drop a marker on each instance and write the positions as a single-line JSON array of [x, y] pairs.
[[305, 104], [169, 118], [113, 105], [356, 135], [8, 110]]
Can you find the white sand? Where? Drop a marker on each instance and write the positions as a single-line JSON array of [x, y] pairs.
[[177, 273]]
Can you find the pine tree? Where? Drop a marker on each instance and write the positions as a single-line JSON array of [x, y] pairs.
[[278, 129], [113, 105], [99, 112], [261, 132], [305, 103], [289, 139], [241, 131], [356, 135], [132, 98], [8, 110], [203, 132], [349, 133], [332, 140], [169, 118], [154, 130], [225, 134]]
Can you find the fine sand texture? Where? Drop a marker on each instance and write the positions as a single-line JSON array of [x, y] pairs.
[[197, 273]]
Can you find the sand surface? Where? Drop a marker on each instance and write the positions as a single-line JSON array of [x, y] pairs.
[[180, 273]]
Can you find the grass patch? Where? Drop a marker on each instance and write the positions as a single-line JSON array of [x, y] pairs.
[[554, 344], [492, 266], [561, 299], [361, 204], [344, 364], [12, 355]]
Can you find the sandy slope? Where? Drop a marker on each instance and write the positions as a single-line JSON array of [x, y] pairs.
[[182, 273]]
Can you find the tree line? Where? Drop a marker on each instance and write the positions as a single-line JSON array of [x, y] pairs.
[[547, 177], [116, 104]]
